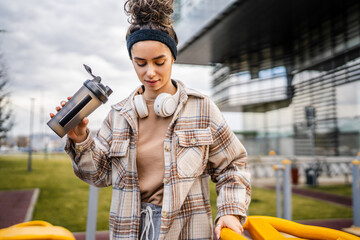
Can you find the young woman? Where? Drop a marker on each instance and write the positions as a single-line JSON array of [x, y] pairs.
[[159, 146]]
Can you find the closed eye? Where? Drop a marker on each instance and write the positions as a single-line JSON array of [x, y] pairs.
[[160, 63], [140, 64]]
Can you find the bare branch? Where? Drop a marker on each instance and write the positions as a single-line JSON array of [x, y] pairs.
[[6, 113]]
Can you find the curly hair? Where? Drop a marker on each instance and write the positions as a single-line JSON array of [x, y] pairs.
[[150, 14]]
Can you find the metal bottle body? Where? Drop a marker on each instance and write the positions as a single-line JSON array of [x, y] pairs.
[[81, 105]]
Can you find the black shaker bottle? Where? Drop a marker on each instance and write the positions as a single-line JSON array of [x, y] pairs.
[[88, 98]]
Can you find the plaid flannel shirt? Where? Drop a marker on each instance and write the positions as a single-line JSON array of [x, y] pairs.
[[198, 144]]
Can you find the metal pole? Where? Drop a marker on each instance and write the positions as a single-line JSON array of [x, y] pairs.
[[310, 119], [31, 134], [92, 213], [278, 169], [314, 163], [356, 193], [287, 189]]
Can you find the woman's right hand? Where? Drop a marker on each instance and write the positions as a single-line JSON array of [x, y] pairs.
[[79, 133]]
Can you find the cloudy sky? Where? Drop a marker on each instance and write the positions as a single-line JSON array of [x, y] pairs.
[[46, 43]]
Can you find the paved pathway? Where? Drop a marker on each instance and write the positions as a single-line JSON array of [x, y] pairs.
[[324, 196], [102, 235], [337, 224], [16, 206]]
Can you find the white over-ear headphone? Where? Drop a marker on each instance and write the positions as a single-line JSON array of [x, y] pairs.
[[164, 106]]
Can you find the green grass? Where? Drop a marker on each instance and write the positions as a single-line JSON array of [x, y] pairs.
[[63, 197], [263, 202]]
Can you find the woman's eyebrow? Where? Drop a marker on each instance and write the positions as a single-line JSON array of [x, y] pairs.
[[161, 56], [155, 58]]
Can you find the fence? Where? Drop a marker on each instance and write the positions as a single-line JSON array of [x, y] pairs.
[[326, 167], [282, 172]]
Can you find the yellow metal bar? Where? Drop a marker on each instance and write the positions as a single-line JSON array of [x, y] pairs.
[[228, 234], [261, 229], [259, 226], [270, 228], [286, 161], [35, 230]]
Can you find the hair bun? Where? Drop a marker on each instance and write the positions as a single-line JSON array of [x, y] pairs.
[[150, 11]]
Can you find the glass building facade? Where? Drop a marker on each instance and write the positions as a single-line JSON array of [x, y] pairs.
[[291, 67]]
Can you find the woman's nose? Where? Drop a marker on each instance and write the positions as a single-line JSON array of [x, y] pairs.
[[150, 71]]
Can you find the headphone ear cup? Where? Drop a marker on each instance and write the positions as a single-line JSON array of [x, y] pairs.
[[164, 105], [140, 106]]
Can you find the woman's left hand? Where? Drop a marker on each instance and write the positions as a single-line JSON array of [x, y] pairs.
[[228, 221]]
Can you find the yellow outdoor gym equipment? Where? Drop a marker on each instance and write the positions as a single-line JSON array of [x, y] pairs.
[[269, 228], [32, 230], [259, 227]]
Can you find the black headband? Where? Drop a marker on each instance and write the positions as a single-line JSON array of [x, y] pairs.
[[151, 34]]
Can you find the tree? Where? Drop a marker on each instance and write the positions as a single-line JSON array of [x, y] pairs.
[[6, 120], [22, 141]]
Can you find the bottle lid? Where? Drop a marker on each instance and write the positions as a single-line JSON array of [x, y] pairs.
[[97, 88]]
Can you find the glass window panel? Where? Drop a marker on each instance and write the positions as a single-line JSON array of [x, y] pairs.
[[286, 116], [348, 100], [194, 15], [272, 118]]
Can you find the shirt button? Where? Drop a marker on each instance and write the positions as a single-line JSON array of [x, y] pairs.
[[78, 148], [167, 148], [193, 141], [164, 214], [166, 180]]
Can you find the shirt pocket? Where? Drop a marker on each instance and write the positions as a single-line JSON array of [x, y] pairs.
[[192, 151], [118, 154]]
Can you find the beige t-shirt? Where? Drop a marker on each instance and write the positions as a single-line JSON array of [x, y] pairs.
[[150, 155]]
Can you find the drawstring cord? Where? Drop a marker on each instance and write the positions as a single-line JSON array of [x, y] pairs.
[[148, 223]]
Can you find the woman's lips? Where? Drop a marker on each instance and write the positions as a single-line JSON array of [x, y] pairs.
[[151, 82]]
